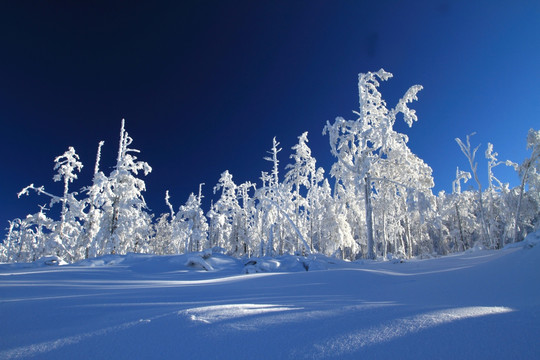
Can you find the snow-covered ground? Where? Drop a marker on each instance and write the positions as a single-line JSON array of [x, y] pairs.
[[476, 305]]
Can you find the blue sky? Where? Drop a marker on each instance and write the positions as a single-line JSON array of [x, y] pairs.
[[205, 86]]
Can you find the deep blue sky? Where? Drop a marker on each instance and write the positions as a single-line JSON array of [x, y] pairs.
[[205, 85]]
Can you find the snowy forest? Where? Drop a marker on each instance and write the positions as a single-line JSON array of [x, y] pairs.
[[376, 202]]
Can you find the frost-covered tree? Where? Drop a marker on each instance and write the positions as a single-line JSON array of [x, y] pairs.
[[67, 165], [363, 144], [71, 215], [270, 199], [164, 240], [169, 232], [246, 219], [64, 237], [471, 155], [125, 224], [321, 200], [297, 176], [402, 185], [161, 242], [223, 214], [302, 180], [276, 203], [499, 219], [529, 173], [195, 223], [92, 245], [456, 195]]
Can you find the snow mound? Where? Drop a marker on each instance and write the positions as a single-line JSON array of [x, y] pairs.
[[287, 263], [105, 260], [530, 241], [198, 263], [50, 261], [211, 260]]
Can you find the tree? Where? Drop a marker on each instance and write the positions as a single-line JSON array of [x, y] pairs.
[[303, 178], [270, 200], [224, 213], [66, 232], [529, 172], [246, 218], [70, 227], [456, 192], [125, 224], [361, 144], [471, 154], [94, 215], [66, 165], [498, 219], [196, 223]]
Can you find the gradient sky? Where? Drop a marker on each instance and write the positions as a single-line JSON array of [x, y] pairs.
[[205, 85]]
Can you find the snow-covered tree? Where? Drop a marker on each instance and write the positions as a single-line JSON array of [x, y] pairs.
[[270, 199], [456, 195], [67, 165], [529, 173], [276, 203], [246, 222], [499, 219], [64, 237], [195, 222], [92, 245], [471, 155], [302, 180], [125, 224], [363, 144], [223, 214], [70, 227]]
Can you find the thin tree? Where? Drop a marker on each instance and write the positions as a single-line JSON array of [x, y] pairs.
[[471, 154], [531, 164]]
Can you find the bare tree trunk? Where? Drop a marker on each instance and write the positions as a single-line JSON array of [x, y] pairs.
[[408, 240], [384, 242], [369, 219], [460, 227], [485, 230], [521, 190]]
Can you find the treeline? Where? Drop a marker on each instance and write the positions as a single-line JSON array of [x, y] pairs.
[[380, 203]]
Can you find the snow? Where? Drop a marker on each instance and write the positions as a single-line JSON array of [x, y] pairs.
[[481, 304]]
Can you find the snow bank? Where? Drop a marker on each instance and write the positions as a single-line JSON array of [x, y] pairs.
[[44, 261], [530, 240]]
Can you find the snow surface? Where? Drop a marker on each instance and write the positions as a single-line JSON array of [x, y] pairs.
[[476, 305]]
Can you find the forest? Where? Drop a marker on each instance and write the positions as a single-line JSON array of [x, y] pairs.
[[376, 202]]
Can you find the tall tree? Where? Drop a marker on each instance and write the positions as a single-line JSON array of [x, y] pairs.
[[302, 180], [195, 222], [126, 222], [66, 232], [361, 144], [471, 157], [529, 172]]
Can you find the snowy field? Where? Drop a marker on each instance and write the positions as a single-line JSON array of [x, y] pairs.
[[476, 305]]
